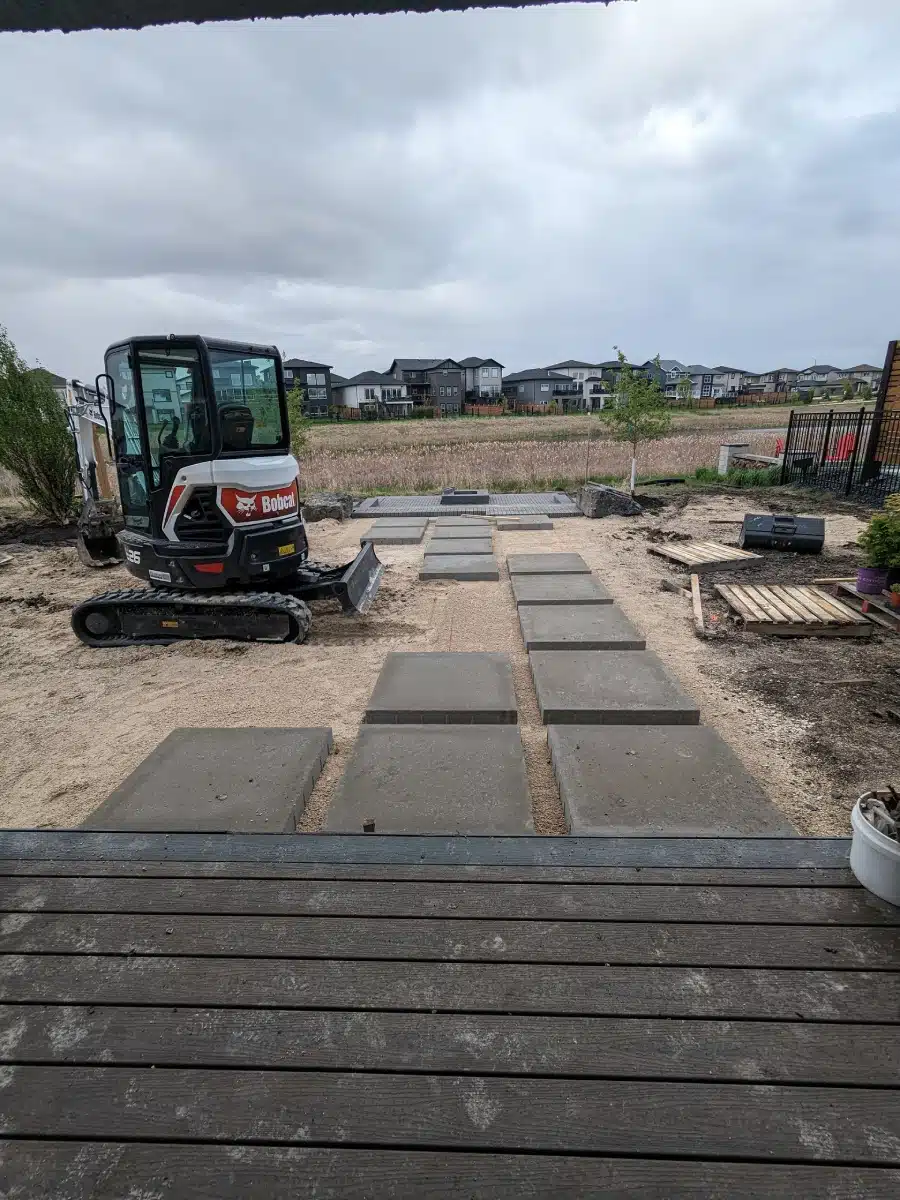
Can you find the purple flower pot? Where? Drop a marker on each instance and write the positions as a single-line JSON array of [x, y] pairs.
[[871, 581]]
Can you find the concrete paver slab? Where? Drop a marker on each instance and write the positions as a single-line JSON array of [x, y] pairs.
[[608, 687], [389, 519], [682, 781], [459, 566], [219, 781], [469, 545], [461, 527], [511, 524], [546, 564], [558, 589], [394, 535], [578, 627], [443, 689], [448, 779]]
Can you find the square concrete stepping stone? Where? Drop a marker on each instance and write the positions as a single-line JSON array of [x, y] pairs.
[[219, 781], [460, 566], [547, 564], [448, 779], [394, 535], [443, 689], [511, 524], [673, 780], [388, 519], [577, 627], [558, 589], [472, 529], [608, 687], [469, 545]]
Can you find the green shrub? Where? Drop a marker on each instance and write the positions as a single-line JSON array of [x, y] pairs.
[[740, 477], [36, 442], [880, 540]]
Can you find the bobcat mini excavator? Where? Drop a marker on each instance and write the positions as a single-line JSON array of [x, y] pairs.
[[210, 501]]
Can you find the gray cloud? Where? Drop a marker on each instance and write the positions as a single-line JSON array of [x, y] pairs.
[[711, 181]]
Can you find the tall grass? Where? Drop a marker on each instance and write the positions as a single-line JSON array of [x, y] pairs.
[[503, 465]]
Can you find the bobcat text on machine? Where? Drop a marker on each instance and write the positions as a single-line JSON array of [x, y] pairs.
[[210, 500]]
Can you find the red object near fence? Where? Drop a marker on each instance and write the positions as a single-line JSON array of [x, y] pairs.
[[843, 448]]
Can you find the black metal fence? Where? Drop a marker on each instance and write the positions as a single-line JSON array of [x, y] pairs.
[[854, 453]]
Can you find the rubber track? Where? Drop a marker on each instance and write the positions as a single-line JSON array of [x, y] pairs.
[[296, 609]]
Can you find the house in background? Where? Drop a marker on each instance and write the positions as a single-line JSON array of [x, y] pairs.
[[314, 378], [862, 375], [726, 381], [439, 382], [483, 379], [540, 386], [373, 394]]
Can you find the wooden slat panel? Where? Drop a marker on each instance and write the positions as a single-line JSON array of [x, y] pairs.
[[778, 607], [501, 901], [742, 599], [802, 603], [712, 877], [836, 607], [849, 996], [172, 1171], [409, 850], [815, 605], [709, 1120], [745, 1051], [455, 940]]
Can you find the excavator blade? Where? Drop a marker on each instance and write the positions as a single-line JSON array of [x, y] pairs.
[[354, 585]]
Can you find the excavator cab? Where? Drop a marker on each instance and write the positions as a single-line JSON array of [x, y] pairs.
[[210, 499]]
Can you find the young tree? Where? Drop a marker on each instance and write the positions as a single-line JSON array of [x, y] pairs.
[[684, 390], [846, 390], [865, 393], [639, 412], [36, 441], [298, 423]]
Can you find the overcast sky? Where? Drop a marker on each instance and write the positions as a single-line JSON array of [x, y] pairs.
[[718, 182]]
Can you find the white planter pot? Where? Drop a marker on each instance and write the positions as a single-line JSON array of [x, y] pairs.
[[874, 858]]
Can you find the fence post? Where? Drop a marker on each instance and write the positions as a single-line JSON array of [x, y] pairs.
[[856, 440], [828, 425], [787, 446]]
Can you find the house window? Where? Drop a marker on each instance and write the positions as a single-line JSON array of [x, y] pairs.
[[443, 389], [455, 391], [370, 393], [495, 372], [288, 375], [545, 387], [443, 372], [484, 373], [317, 393], [521, 388], [313, 380]]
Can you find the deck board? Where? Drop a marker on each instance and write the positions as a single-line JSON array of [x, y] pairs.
[[405, 1017]]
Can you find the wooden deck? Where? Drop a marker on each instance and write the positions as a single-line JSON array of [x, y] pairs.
[[255, 1016]]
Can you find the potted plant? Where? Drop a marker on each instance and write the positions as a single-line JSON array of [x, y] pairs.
[[881, 542], [895, 595]]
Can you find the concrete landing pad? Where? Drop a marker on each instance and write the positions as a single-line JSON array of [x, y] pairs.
[[469, 545], [460, 566], [682, 781], [443, 689], [394, 535], [608, 687], [419, 522], [577, 627], [558, 589], [447, 779], [219, 781], [547, 564], [511, 524], [460, 528]]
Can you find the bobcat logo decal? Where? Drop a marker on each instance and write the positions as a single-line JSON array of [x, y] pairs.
[[245, 505]]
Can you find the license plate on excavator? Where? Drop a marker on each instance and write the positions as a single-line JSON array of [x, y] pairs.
[[290, 548]]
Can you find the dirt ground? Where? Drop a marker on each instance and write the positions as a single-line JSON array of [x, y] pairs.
[[76, 721]]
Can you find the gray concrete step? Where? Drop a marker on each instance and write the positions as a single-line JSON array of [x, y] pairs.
[[469, 545], [219, 781], [396, 535], [443, 688], [435, 779], [578, 627], [608, 687], [677, 780], [558, 589], [512, 524], [459, 566], [546, 564]]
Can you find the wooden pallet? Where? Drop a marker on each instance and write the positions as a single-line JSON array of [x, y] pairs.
[[793, 611], [885, 614], [705, 556]]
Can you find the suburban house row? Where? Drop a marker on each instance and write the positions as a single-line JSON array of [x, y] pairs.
[[448, 384]]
